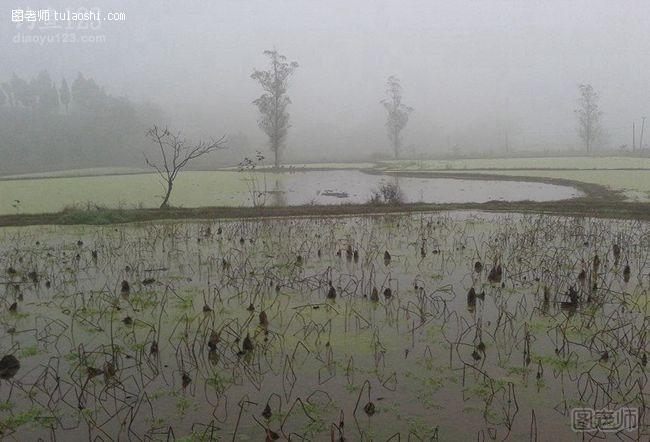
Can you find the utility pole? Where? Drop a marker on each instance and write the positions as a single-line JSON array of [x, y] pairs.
[[633, 137], [641, 136]]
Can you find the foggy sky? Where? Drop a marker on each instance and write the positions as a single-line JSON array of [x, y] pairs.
[[471, 69]]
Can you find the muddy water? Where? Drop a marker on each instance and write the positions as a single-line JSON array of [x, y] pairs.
[[427, 359], [353, 186]]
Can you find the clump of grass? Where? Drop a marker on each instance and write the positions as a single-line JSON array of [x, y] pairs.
[[95, 215], [387, 193]]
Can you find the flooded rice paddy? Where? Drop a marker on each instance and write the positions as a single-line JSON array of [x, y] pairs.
[[237, 189], [456, 326]]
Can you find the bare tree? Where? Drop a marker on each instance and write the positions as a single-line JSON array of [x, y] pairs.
[[588, 114], [273, 104], [176, 153], [398, 113]]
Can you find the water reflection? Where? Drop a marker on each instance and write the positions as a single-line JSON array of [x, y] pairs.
[[278, 195], [356, 187]]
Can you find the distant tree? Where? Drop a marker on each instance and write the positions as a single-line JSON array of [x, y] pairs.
[[86, 94], [22, 92], [397, 113], [3, 97], [64, 94], [588, 114], [273, 104], [175, 154], [47, 97]]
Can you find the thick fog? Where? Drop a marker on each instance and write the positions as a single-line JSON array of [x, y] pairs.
[[475, 72]]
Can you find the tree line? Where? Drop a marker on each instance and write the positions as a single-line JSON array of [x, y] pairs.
[[47, 125]]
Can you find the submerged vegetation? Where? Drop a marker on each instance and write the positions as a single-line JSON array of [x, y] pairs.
[[462, 326]]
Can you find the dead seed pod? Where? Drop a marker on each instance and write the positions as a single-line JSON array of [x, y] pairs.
[[127, 320], [582, 276], [478, 267], [388, 293], [93, 372], [267, 413], [214, 340], [374, 296], [331, 293], [299, 261], [264, 320], [13, 308], [616, 249], [471, 296], [9, 366], [126, 288], [154, 350], [148, 281], [596, 263], [369, 408], [495, 275], [186, 379], [109, 371], [248, 344], [207, 309], [626, 273], [387, 258]]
